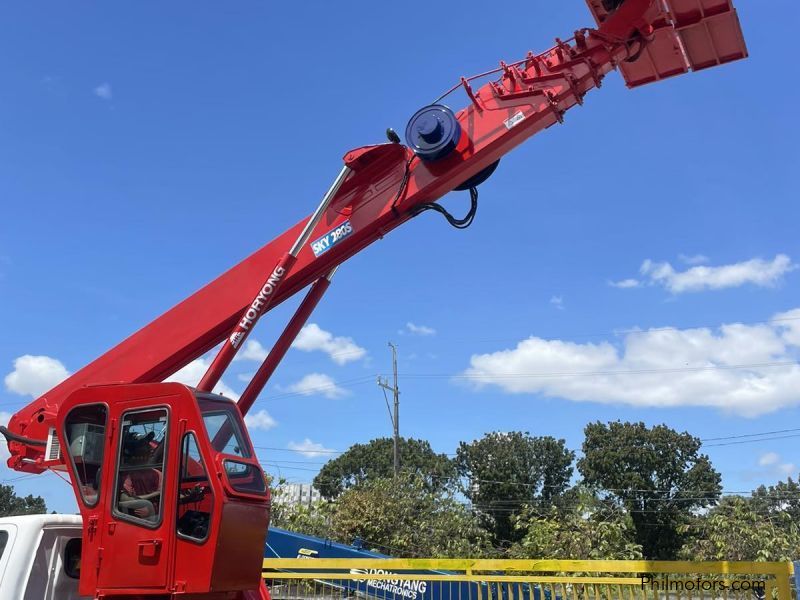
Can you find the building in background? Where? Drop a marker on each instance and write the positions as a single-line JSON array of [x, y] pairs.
[[296, 494]]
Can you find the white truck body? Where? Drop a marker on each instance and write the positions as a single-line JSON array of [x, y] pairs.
[[39, 555]]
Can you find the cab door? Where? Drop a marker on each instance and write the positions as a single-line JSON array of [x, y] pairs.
[[83, 434], [137, 537]]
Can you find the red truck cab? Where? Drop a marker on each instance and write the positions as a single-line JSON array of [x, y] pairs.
[[170, 490]]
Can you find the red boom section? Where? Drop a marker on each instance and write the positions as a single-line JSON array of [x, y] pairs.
[[387, 183]]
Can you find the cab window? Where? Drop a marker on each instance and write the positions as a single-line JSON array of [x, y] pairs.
[[245, 477], [140, 474], [195, 497], [221, 421], [72, 558], [223, 426], [223, 429], [84, 430]]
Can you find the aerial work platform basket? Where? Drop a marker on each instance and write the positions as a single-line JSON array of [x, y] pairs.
[[687, 35]]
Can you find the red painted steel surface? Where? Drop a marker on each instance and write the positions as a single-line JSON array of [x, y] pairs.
[[246, 322], [122, 555], [647, 40]]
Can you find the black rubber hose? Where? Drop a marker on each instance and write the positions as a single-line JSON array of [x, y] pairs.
[[21, 438], [457, 223]]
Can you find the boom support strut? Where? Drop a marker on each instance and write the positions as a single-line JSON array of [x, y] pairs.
[[261, 303]]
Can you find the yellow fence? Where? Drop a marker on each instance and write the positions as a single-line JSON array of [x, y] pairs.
[[464, 579]]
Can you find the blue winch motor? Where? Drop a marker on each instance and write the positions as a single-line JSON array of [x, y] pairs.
[[433, 132]]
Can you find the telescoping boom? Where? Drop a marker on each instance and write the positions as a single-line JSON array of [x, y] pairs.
[[172, 496]]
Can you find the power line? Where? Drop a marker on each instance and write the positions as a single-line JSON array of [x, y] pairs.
[[769, 439], [750, 435], [627, 331], [714, 439], [18, 478], [298, 451]]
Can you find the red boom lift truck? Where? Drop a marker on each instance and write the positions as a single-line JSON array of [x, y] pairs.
[[172, 498]]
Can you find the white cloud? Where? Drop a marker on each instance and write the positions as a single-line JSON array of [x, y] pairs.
[[414, 329], [625, 283], [771, 461], [755, 271], [318, 383], [34, 375], [693, 259], [767, 459], [260, 420], [309, 449], [253, 350], [558, 302], [194, 371], [103, 91], [789, 325], [341, 350], [732, 369]]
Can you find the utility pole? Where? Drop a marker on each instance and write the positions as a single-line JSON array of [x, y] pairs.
[[395, 418]]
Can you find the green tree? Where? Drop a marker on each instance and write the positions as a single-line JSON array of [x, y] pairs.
[[404, 517], [505, 471], [779, 498], [657, 474], [375, 459], [11, 504], [583, 529], [738, 529], [310, 520]]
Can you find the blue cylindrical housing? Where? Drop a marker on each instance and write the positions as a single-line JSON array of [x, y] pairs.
[[433, 132]]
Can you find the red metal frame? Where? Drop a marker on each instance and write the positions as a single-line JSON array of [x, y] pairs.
[[381, 187]]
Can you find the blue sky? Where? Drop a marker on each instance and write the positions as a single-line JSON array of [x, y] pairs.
[[144, 150]]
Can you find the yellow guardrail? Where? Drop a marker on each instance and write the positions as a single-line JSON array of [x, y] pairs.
[[488, 579]]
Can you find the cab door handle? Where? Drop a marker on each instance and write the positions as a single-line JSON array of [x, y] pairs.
[[149, 548]]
